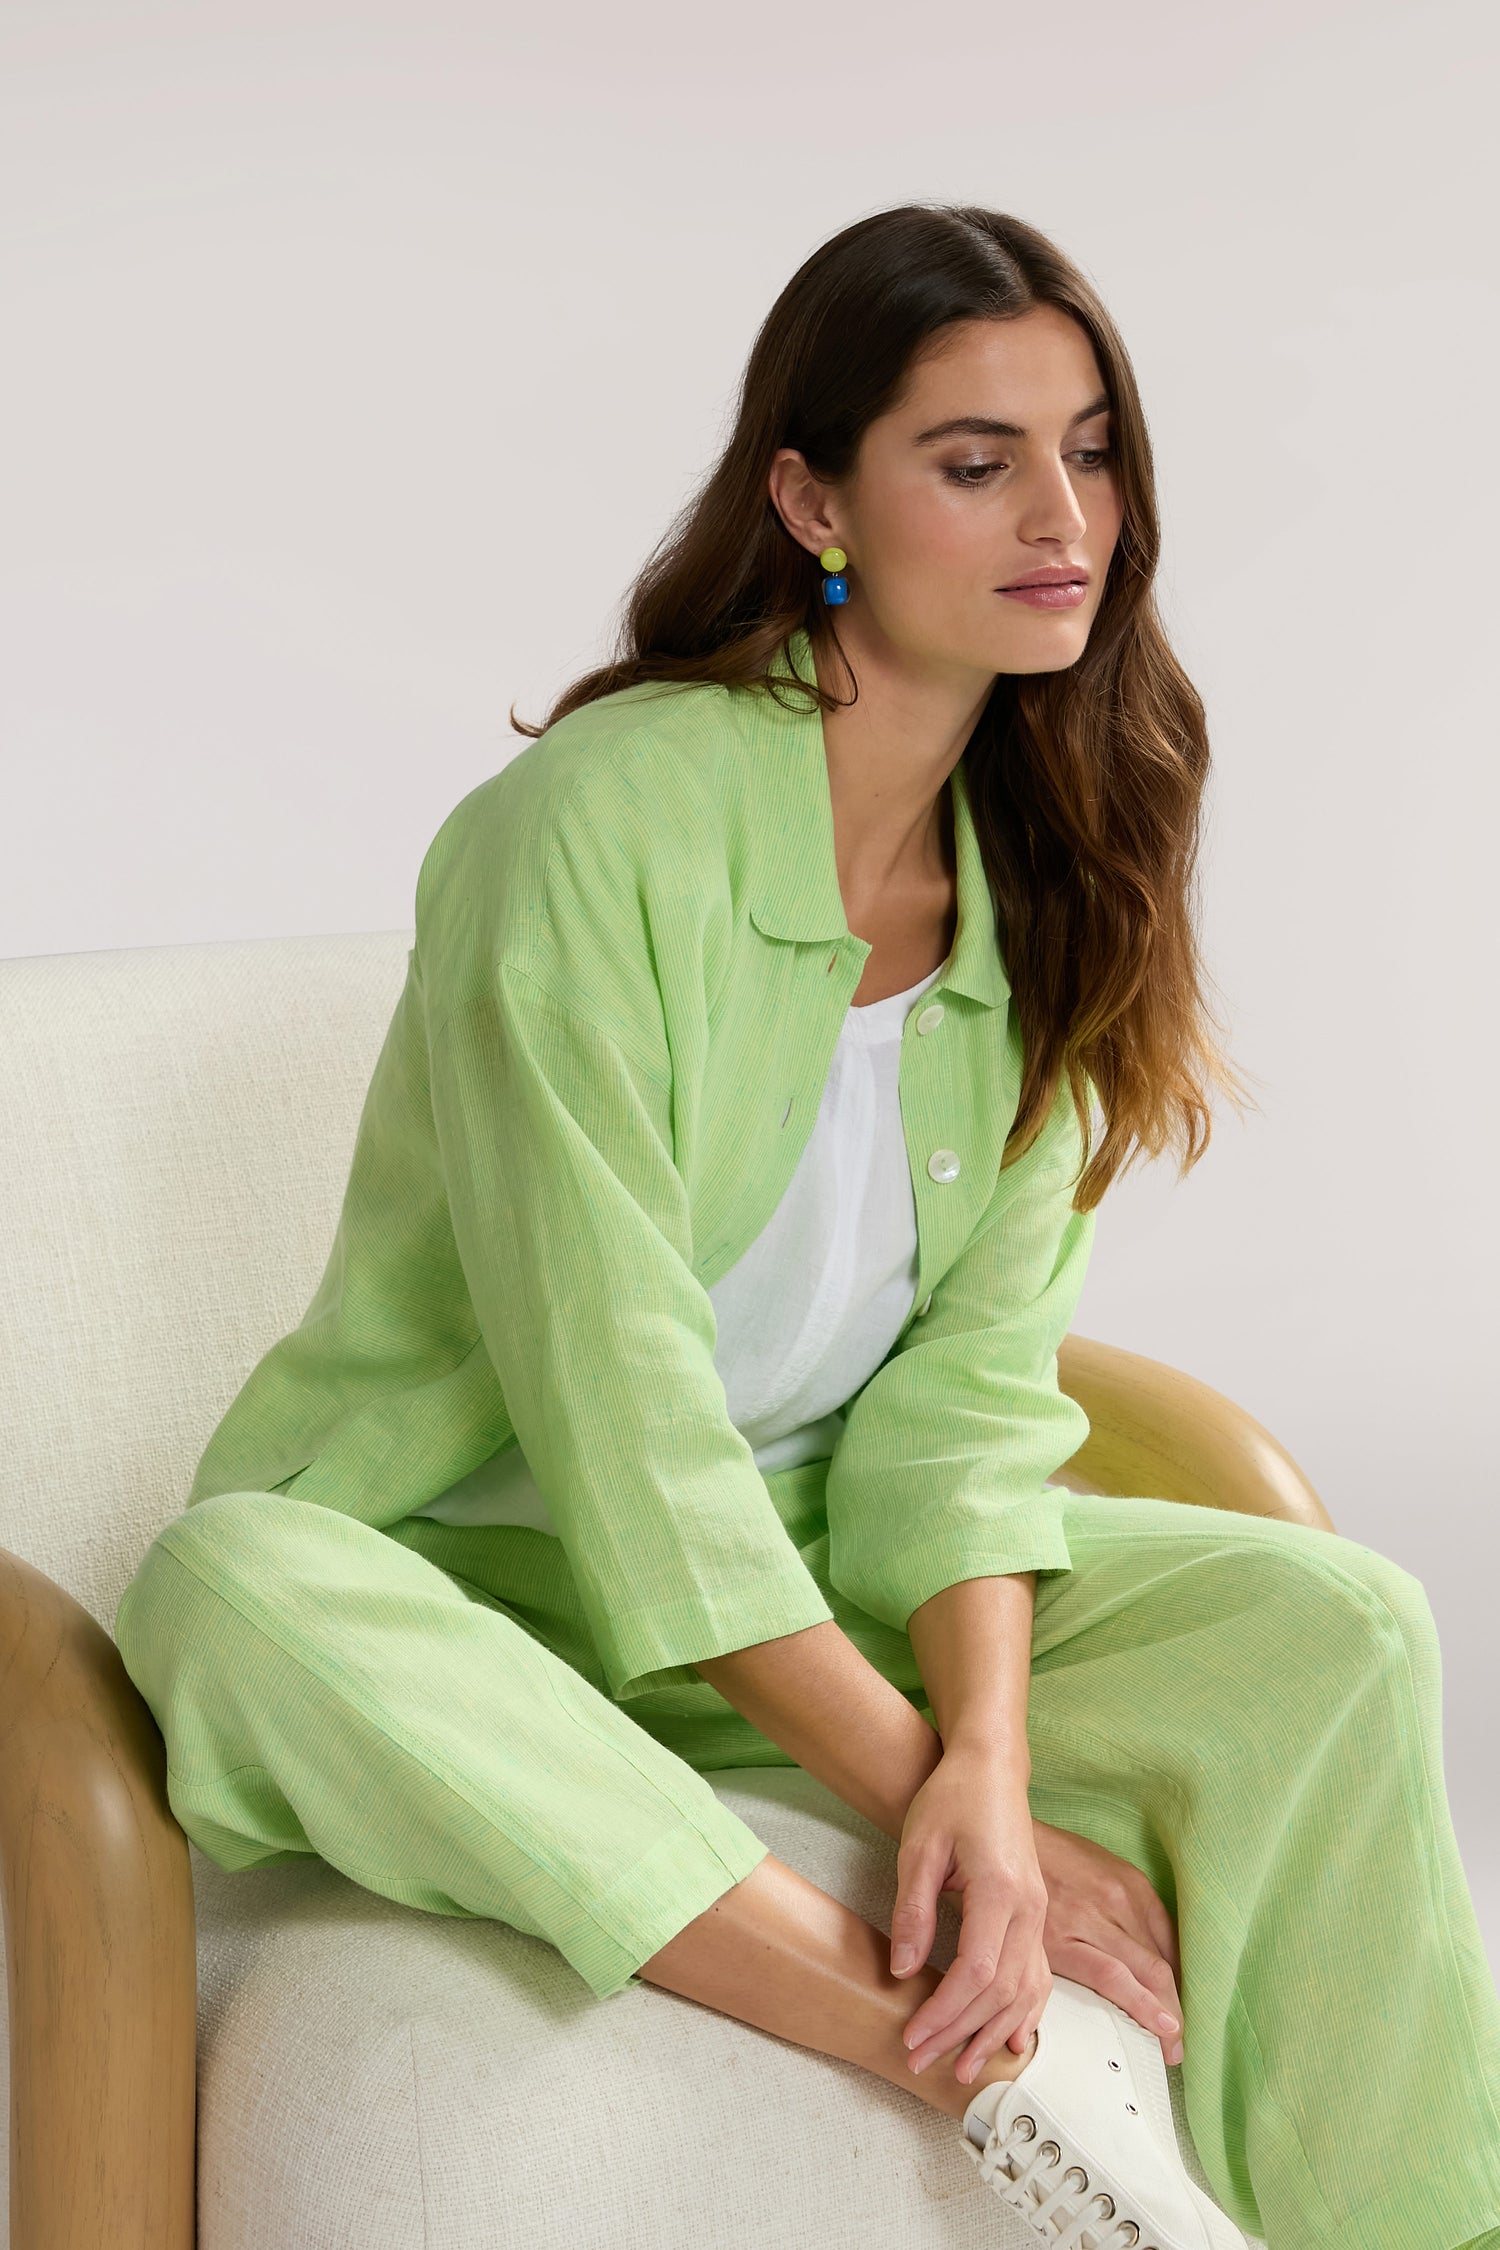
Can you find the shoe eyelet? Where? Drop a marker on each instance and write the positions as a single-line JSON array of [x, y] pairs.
[[1030, 2124], [1113, 2064], [1132, 2109]]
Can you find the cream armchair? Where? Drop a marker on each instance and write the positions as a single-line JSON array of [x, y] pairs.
[[279, 2059]]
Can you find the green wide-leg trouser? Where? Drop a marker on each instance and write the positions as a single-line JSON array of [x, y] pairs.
[[1247, 1710]]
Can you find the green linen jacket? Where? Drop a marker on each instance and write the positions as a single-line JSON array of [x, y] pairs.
[[630, 968]]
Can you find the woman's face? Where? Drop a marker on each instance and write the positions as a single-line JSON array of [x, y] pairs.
[[997, 464]]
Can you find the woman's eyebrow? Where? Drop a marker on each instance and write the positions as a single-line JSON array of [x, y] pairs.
[[985, 425]]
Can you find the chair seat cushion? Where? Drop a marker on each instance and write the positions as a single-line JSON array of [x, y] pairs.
[[381, 2078]]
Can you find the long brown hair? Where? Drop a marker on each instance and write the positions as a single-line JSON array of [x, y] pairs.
[[1086, 784]]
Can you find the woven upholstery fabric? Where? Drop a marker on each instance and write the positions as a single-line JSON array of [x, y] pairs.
[[176, 1124], [175, 1129]]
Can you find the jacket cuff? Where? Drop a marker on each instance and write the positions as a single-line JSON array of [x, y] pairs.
[[658, 1645], [1027, 1535]]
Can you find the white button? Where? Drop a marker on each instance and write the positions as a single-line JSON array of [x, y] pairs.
[[943, 1164], [926, 1301], [931, 1017]]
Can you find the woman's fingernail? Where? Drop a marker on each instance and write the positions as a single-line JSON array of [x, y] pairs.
[[903, 1957], [1176, 2055], [1168, 2023]]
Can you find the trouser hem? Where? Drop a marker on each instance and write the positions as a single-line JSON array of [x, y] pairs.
[[675, 1882]]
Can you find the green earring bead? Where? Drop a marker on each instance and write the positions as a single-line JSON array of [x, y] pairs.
[[835, 589]]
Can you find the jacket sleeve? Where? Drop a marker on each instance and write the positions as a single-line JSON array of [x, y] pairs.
[[573, 1228], [939, 1473]]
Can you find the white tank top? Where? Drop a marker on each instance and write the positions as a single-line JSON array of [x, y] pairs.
[[807, 1313]]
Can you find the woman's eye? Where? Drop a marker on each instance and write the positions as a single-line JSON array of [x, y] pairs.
[[970, 476]]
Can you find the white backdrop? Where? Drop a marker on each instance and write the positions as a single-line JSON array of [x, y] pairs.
[[356, 358]]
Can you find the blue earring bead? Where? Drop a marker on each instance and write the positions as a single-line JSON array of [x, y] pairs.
[[836, 588]]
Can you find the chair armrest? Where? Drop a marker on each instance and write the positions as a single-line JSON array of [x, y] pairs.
[[101, 1949], [1154, 1430]]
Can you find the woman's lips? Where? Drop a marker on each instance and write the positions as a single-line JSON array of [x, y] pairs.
[[1047, 597]]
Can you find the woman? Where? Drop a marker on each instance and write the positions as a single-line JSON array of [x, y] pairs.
[[681, 1391]]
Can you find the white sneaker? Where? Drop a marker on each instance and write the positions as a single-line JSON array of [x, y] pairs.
[[1082, 2143]]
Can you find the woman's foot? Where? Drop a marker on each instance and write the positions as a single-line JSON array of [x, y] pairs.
[[1084, 2131], [939, 2085]]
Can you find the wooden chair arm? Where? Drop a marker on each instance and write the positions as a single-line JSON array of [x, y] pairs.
[[1156, 1431], [101, 1949]]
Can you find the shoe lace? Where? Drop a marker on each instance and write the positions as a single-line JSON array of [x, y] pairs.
[[1023, 2181]]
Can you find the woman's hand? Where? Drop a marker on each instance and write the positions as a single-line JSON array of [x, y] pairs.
[[1107, 1928], [969, 1829]]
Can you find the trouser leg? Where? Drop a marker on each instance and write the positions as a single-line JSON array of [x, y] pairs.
[[323, 1689], [1249, 1712]]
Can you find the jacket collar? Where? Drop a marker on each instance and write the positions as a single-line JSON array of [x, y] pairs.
[[796, 893]]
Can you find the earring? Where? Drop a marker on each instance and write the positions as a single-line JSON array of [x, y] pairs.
[[835, 589]]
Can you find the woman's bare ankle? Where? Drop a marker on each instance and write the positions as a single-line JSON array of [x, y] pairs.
[[776, 1951], [953, 2094]]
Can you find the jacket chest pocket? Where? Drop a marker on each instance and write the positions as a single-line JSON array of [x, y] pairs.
[[764, 1080]]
